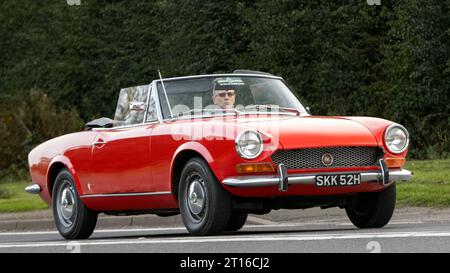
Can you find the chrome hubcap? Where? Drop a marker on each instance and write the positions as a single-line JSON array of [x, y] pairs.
[[66, 204], [196, 196]]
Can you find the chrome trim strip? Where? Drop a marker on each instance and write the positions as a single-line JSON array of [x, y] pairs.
[[33, 189], [251, 181], [165, 94], [125, 126], [308, 179], [157, 101], [126, 194], [283, 182], [222, 75], [402, 175], [148, 99], [383, 171]]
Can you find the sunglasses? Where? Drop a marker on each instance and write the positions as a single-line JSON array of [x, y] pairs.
[[223, 94]]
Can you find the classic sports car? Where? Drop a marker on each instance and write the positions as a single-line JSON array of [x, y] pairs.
[[215, 148]]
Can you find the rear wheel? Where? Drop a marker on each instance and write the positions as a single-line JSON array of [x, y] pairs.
[[72, 218], [236, 221], [205, 206], [373, 210]]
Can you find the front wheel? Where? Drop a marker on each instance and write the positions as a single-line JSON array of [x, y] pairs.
[[72, 218], [373, 210], [205, 206], [237, 221]]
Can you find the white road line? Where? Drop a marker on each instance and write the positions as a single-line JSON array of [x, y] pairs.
[[267, 225], [253, 238], [97, 231], [145, 229]]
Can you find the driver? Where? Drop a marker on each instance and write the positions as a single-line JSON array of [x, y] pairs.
[[224, 93]]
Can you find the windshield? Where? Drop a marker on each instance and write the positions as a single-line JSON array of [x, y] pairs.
[[211, 95]]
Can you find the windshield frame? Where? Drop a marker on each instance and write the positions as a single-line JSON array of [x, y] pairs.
[[302, 111]]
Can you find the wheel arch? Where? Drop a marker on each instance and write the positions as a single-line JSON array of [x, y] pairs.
[[57, 164], [183, 154]]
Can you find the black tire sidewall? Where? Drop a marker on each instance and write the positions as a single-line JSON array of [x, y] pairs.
[[237, 220], [217, 201], [84, 221], [380, 211]]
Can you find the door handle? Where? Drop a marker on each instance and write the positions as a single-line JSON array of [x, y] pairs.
[[99, 142]]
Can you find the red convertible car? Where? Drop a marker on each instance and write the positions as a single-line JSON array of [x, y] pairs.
[[215, 148]]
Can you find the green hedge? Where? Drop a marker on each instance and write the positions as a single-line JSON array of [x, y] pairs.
[[340, 57]]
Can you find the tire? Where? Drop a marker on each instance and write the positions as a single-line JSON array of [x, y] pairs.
[[373, 210], [205, 206], [236, 221], [72, 218]]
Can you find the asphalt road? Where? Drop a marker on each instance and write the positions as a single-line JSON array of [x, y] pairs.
[[398, 236]]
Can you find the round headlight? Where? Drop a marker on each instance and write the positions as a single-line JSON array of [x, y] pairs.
[[396, 138], [249, 144]]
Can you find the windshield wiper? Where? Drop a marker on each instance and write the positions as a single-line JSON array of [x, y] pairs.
[[272, 108], [292, 110], [238, 111], [209, 112]]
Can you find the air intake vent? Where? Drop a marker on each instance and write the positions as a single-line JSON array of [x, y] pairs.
[[328, 157]]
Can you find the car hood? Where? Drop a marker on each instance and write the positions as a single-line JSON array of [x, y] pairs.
[[313, 131]]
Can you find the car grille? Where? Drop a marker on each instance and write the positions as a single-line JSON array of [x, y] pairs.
[[342, 157]]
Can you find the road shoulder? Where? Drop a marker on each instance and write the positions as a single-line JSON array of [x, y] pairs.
[[43, 220]]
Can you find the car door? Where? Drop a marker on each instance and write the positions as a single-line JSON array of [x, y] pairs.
[[121, 155], [121, 161]]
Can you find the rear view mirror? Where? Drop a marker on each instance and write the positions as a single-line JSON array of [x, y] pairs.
[[99, 123]]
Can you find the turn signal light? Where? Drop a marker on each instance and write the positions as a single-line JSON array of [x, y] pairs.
[[254, 168], [395, 162]]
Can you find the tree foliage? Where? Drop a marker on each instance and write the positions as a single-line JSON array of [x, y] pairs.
[[27, 121], [340, 57]]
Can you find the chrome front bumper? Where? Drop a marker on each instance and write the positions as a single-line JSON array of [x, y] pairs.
[[383, 176], [33, 189]]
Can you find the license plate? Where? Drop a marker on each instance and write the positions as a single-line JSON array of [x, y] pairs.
[[338, 180]]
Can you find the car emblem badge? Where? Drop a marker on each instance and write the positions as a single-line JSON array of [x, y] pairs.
[[327, 159]]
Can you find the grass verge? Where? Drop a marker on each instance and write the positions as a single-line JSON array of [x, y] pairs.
[[429, 187], [13, 198]]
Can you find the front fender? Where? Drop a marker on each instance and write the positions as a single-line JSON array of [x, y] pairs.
[[376, 125], [191, 146], [55, 165], [197, 147]]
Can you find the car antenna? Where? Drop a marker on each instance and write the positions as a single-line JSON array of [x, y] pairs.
[[165, 94]]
